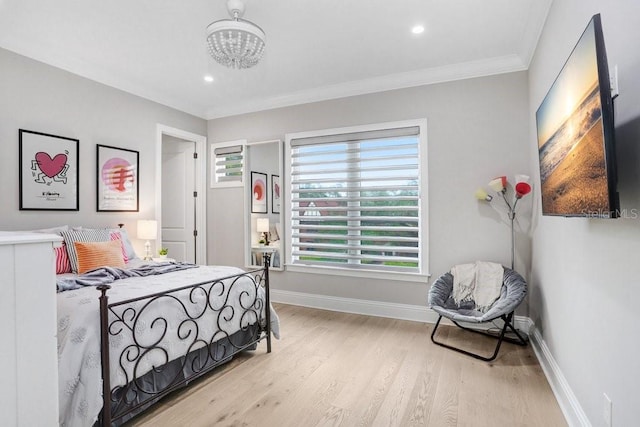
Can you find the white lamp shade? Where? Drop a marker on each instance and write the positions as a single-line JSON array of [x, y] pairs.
[[498, 184], [147, 229], [262, 225], [482, 195]]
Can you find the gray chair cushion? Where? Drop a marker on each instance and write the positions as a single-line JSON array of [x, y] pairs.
[[514, 289]]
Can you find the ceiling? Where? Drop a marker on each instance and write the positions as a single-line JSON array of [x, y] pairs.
[[316, 49]]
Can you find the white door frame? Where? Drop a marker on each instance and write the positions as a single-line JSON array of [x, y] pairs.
[[200, 178]]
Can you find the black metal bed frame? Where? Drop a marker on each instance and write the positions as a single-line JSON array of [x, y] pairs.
[[204, 352]]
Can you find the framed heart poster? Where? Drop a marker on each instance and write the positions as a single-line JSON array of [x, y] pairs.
[[48, 172]]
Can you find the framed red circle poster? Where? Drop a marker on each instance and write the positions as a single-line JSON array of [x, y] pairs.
[[118, 182], [258, 192]]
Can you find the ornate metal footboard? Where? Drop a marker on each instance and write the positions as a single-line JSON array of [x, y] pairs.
[[206, 323]]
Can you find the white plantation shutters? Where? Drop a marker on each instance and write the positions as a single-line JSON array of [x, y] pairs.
[[355, 200], [228, 165]]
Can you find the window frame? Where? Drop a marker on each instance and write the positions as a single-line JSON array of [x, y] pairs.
[[423, 198], [214, 183]]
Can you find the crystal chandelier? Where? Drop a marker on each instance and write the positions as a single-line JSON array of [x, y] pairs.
[[236, 43]]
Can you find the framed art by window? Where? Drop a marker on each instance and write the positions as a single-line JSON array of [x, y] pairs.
[[275, 194], [258, 192]]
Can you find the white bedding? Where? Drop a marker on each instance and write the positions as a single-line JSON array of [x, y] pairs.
[[79, 365]]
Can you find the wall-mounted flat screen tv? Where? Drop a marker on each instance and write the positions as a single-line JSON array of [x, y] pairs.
[[575, 126]]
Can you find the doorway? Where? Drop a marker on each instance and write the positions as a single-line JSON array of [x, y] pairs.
[[180, 195]]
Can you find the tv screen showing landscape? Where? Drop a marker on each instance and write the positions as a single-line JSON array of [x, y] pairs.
[[575, 134]]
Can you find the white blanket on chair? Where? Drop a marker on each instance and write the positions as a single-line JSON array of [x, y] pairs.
[[480, 282]]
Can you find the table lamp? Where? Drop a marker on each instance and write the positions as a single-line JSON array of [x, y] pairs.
[[147, 230], [263, 227]]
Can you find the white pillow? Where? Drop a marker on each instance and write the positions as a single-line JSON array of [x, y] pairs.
[[128, 247]]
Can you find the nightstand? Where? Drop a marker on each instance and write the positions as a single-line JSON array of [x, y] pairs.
[[158, 259], [257, 253]]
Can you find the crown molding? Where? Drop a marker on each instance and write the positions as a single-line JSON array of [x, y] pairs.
[[535, 24], [447, 73], [99, 75]]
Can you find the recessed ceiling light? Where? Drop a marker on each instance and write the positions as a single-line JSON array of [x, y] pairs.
[[418, 29], [208, 78]]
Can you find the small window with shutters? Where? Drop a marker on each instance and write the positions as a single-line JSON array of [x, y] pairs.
[[227, 164], [358, 198]]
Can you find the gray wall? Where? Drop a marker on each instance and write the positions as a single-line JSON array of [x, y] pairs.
[[42, 98], [585, 272], [477, 129]]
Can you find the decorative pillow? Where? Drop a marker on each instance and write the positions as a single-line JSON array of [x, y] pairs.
[[117, 236], [92, 255], [62, 260], [128, 247], [126, 243], [72, 236]]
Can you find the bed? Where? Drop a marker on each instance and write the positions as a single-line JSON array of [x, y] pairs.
[[124, 345]]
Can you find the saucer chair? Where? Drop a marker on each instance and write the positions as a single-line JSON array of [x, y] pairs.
[[513, 291]]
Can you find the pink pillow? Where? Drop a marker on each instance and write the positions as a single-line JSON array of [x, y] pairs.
[[117, 236], [62, 260]]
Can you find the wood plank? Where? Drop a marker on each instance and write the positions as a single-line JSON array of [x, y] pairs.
[[332, 369]]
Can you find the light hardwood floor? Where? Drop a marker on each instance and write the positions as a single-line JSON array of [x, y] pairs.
[[331, 369]]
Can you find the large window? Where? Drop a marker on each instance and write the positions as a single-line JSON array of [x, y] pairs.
[[357, 198]]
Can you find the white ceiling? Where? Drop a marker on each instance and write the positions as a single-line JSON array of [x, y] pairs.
[[316, 49]]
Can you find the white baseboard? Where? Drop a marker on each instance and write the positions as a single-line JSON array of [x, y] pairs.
[[571, 408], [567, 400], [416, 313]]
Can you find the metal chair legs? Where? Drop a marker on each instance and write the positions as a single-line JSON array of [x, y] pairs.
[[520, 340]]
